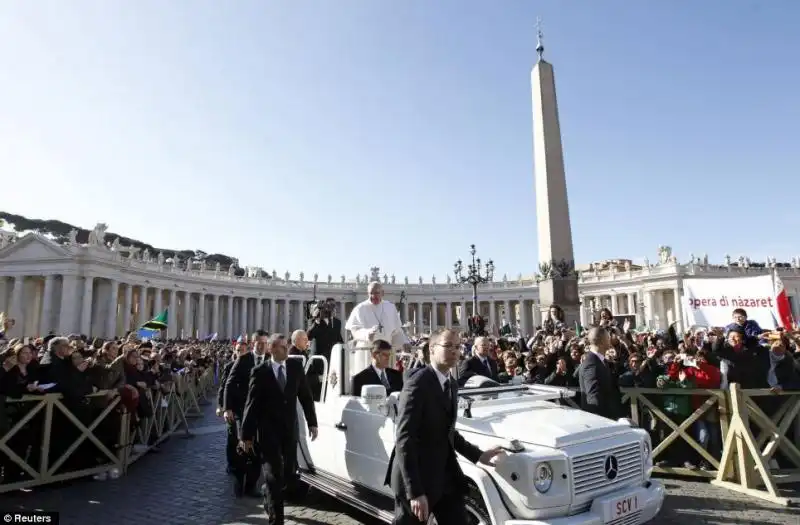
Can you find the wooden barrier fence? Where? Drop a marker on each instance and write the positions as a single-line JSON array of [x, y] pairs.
[[33, 431], [744, 465]]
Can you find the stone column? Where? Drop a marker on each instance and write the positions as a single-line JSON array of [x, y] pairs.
[[651, 308], [113, 310], [420, 321], [462, 319], [172, 316], [259, 314], [202, 326], [405, 312], [434, 316], [492, 317], [678, 311], [143, 313], [273, 315], [243, 328], [448, 315], [45, 324], [158, 301], [229, 318], [68, 320], [631, 303], [508, 316], [86, 307], [614, 304], [126, 310], [343, 319], [215, 315], [188, 331], [15, 308], [287, 315]]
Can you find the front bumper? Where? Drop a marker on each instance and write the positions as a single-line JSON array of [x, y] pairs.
[[605, 508]]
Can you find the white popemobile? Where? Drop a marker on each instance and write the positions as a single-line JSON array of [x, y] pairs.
[[564, 467]]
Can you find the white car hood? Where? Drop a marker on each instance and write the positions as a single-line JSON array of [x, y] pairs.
[[538, 423]]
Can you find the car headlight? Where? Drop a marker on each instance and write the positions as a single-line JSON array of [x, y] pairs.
[[543, 477], [647, 457]]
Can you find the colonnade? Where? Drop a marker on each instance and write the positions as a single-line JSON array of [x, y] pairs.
[[103, 307]]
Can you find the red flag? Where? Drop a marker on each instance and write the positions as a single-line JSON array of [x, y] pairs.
[[782, 308]]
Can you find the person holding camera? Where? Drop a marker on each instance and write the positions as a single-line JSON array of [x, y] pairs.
[[325, 331]]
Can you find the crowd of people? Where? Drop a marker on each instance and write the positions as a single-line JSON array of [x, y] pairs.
[[741, 352], [77, 366]]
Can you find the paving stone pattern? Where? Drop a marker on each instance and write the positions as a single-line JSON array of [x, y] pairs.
[[186, 484]]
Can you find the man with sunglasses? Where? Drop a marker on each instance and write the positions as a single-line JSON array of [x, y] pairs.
[[423, 470]]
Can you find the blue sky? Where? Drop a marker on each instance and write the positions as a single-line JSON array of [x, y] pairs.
[[334, 136]]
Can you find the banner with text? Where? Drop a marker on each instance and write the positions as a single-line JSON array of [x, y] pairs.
[[711, 302]]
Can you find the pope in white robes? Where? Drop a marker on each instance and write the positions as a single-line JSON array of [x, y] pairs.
[[375, 319]]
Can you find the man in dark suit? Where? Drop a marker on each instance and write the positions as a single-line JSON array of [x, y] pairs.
[[270, 420], [235, 395], [599, 390], [480, 364], [233, 436], [379, 372], [423, 470]]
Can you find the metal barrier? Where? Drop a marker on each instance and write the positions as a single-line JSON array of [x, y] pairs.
[[35, 426]]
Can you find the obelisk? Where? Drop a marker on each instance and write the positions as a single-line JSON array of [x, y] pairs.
[[559, 283]]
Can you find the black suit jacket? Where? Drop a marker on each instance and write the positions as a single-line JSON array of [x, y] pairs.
[[270, 414], [235, 393], [424, 461], [324, 336], [474, 366], [369, 376], [223, 378], [599, 390]]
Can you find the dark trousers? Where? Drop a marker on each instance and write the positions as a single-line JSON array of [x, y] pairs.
[[449, 510], [278, 473], [231, 442]]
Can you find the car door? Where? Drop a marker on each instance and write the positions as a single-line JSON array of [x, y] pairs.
[[369, 443]]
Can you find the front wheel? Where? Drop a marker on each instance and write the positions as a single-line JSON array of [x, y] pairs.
[[476, 510]]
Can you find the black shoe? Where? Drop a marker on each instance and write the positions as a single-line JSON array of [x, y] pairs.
[[238, 488]]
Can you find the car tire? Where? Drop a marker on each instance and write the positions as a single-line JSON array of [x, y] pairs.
[[476, 509]]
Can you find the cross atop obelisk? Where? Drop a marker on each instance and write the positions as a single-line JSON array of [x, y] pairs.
[[558, 283]]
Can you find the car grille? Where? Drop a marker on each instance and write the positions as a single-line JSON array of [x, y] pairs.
[[630, 519], [589, 470]]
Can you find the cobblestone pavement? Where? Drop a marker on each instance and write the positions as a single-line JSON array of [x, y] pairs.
[[185, 484]]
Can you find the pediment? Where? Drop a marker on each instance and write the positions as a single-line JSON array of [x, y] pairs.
[[33, 247]]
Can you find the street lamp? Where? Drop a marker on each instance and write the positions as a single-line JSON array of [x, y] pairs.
[[309, 305], [402, 302], [473, 276]]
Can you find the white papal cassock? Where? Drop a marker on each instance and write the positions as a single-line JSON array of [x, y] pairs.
[[384, 319]]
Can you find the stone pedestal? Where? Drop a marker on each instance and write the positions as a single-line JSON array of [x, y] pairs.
[[564, 293]]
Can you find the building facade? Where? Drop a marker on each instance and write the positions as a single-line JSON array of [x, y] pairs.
[[104, 291]]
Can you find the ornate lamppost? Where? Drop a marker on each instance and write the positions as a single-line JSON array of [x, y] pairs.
[[475, 276], [309, 305], [403, 299]]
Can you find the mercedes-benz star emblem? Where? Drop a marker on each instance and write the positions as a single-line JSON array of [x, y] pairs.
[[612, 467]]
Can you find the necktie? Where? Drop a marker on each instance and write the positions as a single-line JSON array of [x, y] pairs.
[[281, 377], [258, 360], [385, 380], [446, 389]]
